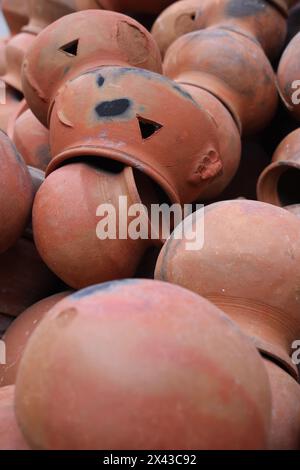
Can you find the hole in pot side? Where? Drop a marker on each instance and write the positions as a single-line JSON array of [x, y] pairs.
[[288, 187], [71, 48]]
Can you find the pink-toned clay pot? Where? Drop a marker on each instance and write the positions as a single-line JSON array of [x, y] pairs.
[[79, 43], [44, 12], [18, 334], [66, 223], [11, 437], [3, 44], [31, 139], [12, 104], [24, 278], [285, 425], [259, 21], [151, 356], [228, 137], [16, 14], [120, 121], [16, 194], [135, 6], [5, 321], [224, 63], [249, 266], [288, 77], [279, 182]]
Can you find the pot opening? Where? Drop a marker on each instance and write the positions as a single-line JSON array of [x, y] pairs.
[[288, 187], [99, 163]]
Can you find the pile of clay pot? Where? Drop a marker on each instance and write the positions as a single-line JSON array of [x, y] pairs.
[[138, 343]]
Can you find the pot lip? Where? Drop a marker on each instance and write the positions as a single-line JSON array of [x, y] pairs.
[[117, 155], [281, 6], [268, 181]]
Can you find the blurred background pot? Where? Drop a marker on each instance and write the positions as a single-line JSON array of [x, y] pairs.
[[151, 356], [16, 14]]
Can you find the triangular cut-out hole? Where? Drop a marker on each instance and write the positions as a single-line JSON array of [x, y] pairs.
[[147, 127], [71, 48]]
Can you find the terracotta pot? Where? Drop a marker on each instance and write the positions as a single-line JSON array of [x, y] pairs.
[[259, 21], [279, 182], [246, 269], [11, 437], [285, 427], [81, 42], [24, 278], [228, 137], [9, 104], [224, 63], [16, 194], [288, 77], [44, 12], [151, 356], [18, 334], [16, 14], [135, 6], [32, 140], [120, 121], [66, 207], [5, 321]]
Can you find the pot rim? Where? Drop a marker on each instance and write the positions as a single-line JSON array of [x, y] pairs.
[[268, 181]]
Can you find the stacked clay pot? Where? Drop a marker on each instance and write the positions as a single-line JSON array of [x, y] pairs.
[[151, 357], [279, 182]]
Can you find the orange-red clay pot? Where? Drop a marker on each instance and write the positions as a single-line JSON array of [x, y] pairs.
[[288, 77], [18, 334], [126, 116], [44, 12], [16, 14], [31, 139], [66, 222], [148, 349], [16, 194], [79, 43], [258, 20], [285, 424], [224, 63], [24, 278], [279, 182], [11, 437], [249, 266]]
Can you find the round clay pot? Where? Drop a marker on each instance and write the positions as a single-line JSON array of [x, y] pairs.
[[66, 224], [16, 194], [24, 278], [18, 334], [32, 140], [9, 105], [44, 12], [126, 117], [279, 182], [228, 137], [5, 321], [152, 359], [135, 6], [246, 269], [285, 424], [16, 14], [288, 77], [259, 21], [11, 437], [81, 42], [224, 63]]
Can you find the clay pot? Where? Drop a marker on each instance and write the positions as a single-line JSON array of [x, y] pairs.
[[5, 321], [224, 63], [246, 269], [24, 278], [16, 194], [16, 14], [119, 121], [44, 12], [9, 105], [32, 140], [135, 6], [279, 182], [152, 359], [288, 77], [81, 42], [18, 334], [66, 207], [228, 137], [285, 425], [259, 21], [11, 437]]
